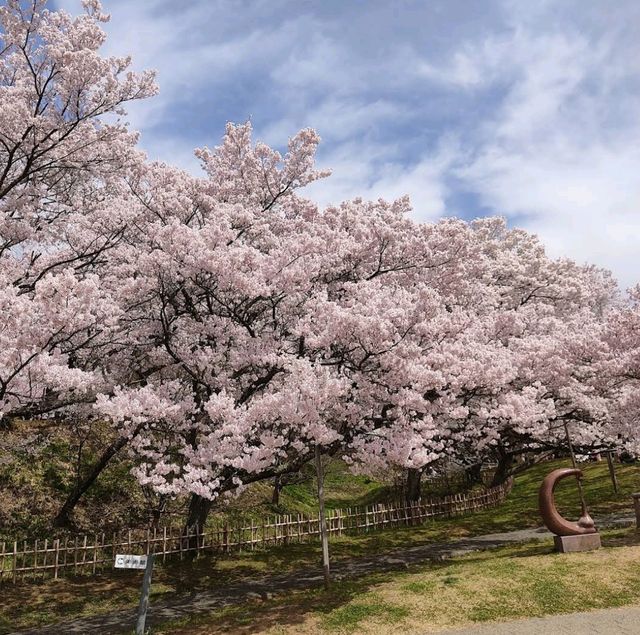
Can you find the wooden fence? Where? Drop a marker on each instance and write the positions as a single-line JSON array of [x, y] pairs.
[[91, 554]]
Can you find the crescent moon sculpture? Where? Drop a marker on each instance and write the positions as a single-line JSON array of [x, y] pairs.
[[550, 514]]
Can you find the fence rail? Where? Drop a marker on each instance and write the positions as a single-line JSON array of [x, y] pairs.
[[91, 554]]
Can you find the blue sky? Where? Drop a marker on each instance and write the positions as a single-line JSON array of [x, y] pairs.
[[530, 110]]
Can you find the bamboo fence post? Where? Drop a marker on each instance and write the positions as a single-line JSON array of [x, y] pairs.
[[95, 553], [66, 553], [15, 561], [24, 560], [252, 539], [56, 558], [44, 561], [102, 553], [2, 562], [84, 553], [164, 544], [35, 559]]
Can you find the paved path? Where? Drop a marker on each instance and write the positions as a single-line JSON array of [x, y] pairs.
[[182, 605], [624, 621]]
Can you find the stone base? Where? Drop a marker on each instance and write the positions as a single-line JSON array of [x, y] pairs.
[[584, 542]]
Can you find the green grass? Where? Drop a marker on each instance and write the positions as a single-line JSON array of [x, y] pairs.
[[35, 479], [51, 601], [350, 616], [514, 582]]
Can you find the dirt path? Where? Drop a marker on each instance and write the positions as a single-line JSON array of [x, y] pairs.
[[179, 606], [624, 621]]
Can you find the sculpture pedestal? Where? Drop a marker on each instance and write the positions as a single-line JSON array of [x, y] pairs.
[[584, 542]]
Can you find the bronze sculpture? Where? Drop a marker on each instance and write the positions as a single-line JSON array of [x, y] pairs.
[[569, 536], [556, 523]]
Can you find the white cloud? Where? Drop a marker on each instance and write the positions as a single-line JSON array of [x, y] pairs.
[[368, 171], [531, 107], [555, 153]]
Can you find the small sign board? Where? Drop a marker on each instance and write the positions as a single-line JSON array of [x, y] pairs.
[[128, 561]]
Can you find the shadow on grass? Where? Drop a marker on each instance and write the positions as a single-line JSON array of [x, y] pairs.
[[288, 610], [37, 603]]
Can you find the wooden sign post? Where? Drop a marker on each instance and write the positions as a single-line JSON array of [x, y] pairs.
[[126, 561], [322, 519]]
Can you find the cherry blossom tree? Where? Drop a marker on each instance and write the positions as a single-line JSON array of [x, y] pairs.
[[64, 151], [261, 327], [231, 331], [537, 342], [619, 373], [265, 328]]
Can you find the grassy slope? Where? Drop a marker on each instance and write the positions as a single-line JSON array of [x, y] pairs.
[[342, 489], [56, 600], [36, 478]]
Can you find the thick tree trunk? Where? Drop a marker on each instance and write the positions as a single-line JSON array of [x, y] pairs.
[[157, 511], [277, 487], [474, 474], [413, 486], [612, 472], [199, 508], [503, 470], [63, 517]]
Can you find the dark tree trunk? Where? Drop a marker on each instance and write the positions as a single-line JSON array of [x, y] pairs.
[[612, 471], [503, 469], [413, 486], [474, 474], [199, 508], [157, 511], [63, 517], [277, 487]]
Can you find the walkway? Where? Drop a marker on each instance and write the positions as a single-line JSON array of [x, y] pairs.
[[624, 621]]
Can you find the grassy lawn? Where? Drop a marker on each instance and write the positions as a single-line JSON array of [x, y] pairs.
[[501, 584], [33, 604]]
